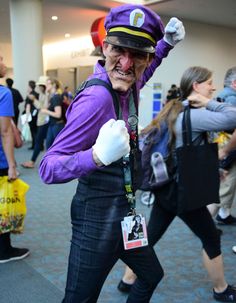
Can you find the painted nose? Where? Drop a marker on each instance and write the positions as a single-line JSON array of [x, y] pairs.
[[126, 61]]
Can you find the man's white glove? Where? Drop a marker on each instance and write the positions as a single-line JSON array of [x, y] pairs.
[[112, 142], [174, 31]]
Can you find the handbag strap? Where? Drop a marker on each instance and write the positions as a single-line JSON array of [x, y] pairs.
[[186, 127], [187, 130]]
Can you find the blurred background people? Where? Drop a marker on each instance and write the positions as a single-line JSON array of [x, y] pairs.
[[17, 99], [42, 120], [66, 101], [31, 109], [228, 183], [172, 93], [55, 111], [67, 90]]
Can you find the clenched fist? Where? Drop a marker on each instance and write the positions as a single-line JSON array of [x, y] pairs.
[[112, 142]]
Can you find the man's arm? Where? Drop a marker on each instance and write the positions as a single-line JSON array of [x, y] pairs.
[[8, 145], [174, 32]]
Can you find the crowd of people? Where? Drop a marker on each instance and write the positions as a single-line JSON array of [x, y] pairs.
[[97, 143], [44, 113]]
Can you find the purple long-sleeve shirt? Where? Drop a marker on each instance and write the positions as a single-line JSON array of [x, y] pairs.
[[70, 156]]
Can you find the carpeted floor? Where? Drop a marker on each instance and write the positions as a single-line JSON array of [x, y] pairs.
[[41, 277], [20, 283]]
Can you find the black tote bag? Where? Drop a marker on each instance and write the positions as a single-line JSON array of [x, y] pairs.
[[198, 170]]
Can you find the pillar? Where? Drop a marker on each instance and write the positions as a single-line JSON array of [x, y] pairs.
[[26, 36]]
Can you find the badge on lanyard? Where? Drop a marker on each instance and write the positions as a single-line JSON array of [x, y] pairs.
[[134, 231]]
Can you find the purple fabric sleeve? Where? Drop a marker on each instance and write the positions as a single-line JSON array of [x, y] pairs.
[[162, 51], [70, 156]]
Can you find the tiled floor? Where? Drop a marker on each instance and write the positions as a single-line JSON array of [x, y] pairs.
[[47, 234]]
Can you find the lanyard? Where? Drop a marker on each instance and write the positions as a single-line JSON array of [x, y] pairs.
[[133, 123], [128, 184]]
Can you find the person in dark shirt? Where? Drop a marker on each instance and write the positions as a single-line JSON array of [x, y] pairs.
[[17, 98], [30, 108], [54, 111]]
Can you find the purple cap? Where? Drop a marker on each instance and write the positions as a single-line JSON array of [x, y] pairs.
[[134, 26]]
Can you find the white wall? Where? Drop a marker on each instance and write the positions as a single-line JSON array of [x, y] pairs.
[[69, 53]]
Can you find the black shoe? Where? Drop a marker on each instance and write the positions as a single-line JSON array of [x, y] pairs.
[[227, 221], [124, 287], [14, 254], [30, 148], [229, 295]]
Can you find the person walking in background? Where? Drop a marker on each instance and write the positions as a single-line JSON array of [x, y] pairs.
[[66, 101], [196, 88], [7, 163], [223, 154], [228, 184], [55, 111], [17, 99], [69, 93], [30, 109], [94, 147], [173, 93], [42, 120]]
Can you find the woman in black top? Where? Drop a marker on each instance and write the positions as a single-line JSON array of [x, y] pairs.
[[30, 108], [55, 111]]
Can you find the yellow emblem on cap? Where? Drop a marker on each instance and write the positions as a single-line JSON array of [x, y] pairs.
[[137, 17]]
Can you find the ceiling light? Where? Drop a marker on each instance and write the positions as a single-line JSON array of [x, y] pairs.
[[54, 18], [67, 35]]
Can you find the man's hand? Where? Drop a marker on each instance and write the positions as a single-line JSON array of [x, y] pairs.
[[112, 142], [174, 31]]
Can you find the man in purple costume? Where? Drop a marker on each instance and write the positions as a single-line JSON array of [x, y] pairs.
[[92, 147]]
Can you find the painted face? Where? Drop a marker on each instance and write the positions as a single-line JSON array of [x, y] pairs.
[[124, 66], [205, 88], [3, 68]]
